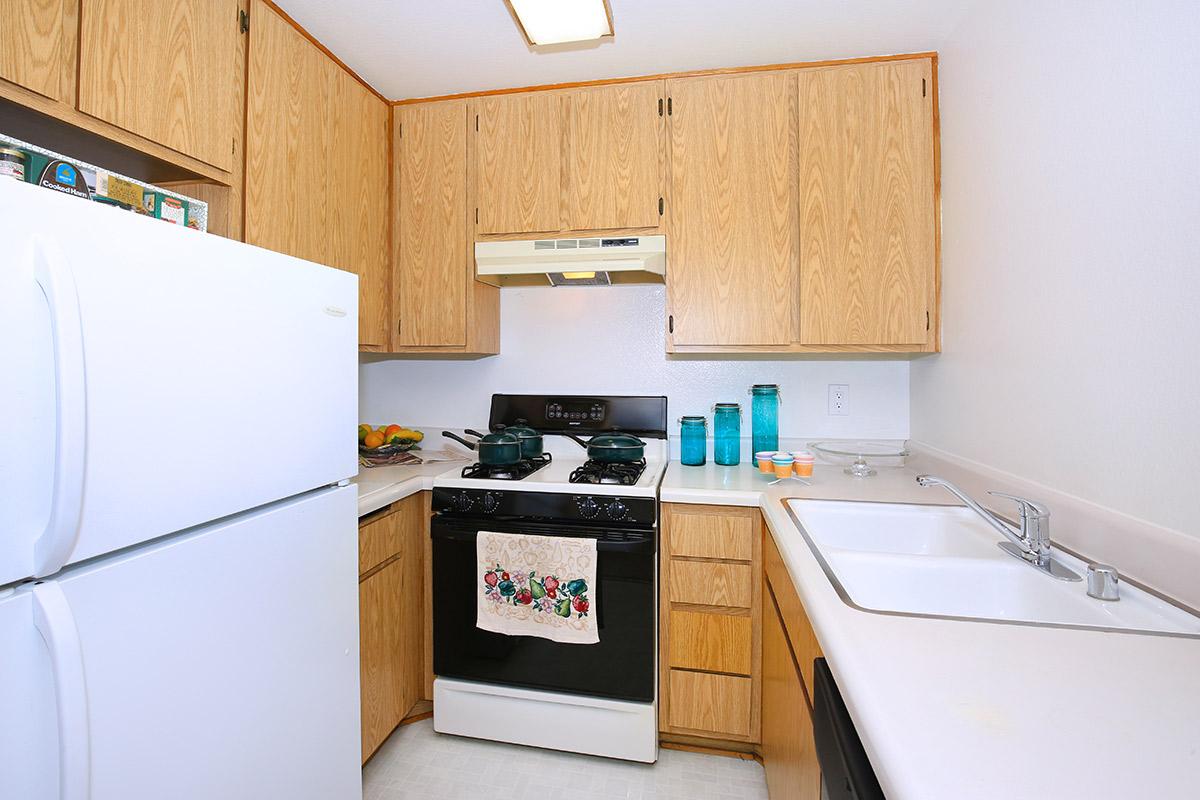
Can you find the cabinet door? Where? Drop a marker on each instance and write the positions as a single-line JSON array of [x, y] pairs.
[[163, 70], [37, 45], [615, 147], [867, 189], [286, 145], [357, 208], [380, 600], [519, 163], [433, 270], [732, 213], [788, 749]]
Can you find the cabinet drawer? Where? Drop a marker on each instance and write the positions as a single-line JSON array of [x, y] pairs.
[[711, 532], [710, 583], [714, 642], [378, 538], [713, 703]]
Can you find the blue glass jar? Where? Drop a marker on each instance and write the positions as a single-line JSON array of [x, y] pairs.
[[727, 433], [693, 440], [764, 417]]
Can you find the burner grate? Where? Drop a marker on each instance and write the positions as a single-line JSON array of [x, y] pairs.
[[592, 471], [507, 472]]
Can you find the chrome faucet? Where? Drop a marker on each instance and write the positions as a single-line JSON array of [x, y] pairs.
[[1031, 543]]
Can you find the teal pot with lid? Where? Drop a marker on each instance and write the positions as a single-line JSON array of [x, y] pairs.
[[612, 448], [495, 450]]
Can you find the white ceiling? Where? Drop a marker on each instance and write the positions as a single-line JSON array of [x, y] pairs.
[[406, 48]]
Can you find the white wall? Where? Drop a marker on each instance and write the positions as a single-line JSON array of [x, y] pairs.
[[609, 340], [1071, 252]]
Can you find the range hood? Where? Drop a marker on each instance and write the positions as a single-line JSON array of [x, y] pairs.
[[591, 261]]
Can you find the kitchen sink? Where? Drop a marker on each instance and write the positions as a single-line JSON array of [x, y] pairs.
[[944, 561]]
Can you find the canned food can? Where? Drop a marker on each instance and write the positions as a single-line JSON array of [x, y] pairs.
[[12, 163]]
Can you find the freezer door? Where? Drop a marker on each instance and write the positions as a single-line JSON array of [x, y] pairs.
[[158, 378], [222, 663]]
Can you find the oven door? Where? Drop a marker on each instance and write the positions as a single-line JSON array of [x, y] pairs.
[[621, 665]]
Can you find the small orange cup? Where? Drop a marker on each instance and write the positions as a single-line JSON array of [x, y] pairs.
[[782, 462], [802, 463], [763, 457]]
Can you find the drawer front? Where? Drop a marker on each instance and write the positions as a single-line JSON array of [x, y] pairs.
[[799, 630], [714, 642], [711, 703], [378, 538], [712, 532], [710, 583]]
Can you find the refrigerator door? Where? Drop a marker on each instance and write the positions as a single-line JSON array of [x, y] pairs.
[[29, 736], [160, 378], [222, 663]]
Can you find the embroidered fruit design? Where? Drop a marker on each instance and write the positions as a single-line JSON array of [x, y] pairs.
[[543, 594]]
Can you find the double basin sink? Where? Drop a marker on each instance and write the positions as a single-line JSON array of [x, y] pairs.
[[944, 561]]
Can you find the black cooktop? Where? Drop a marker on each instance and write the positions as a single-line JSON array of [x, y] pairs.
[[594, 471], [507, 472]]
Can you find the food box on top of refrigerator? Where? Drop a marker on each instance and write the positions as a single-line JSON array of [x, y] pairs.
[[77, 178]]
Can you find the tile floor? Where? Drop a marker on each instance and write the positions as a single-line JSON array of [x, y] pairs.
[[418, 763]]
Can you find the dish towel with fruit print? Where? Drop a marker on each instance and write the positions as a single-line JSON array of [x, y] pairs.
[[537, 586]]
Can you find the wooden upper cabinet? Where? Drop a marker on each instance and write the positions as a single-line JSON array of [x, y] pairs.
[[867, 220], [732, 213], [317, 165], [518, 152], [163, 70], [356, 206], [615, 156], [433, 266], [286, 142], [37, 46]]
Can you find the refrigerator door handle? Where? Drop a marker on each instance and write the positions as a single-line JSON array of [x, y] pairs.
[[56, 623], [53, 275]]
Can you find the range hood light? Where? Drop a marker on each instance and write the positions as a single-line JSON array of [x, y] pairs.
[[561, 21], [579, 276]]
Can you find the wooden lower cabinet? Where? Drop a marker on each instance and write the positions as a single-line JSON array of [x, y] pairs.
[[788, 749], [709, 624], [390, 590]]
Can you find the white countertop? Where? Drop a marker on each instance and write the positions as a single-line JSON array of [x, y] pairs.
[[379, 486], [950, 709]]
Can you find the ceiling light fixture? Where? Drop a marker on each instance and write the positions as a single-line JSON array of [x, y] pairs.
[[559, 21]]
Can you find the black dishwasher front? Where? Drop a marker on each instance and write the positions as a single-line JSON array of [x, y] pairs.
[[846, 774]]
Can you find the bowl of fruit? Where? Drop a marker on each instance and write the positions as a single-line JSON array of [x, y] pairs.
[[381, 444]]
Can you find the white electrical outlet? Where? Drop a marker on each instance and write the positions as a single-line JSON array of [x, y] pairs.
[[839, 400]]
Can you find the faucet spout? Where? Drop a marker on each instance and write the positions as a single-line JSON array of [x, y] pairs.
[[1017, 538], [1031, 543]]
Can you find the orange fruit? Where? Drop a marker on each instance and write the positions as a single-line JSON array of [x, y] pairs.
[[390, 431], [373, 439]]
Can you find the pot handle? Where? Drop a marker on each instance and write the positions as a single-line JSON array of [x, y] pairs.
[[459, 439], [576, 440], [474, 433]]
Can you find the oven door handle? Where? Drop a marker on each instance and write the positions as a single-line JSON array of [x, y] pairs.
[[450, 533]]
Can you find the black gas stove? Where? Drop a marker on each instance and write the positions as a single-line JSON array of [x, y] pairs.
[[507, 472], [593, 471]]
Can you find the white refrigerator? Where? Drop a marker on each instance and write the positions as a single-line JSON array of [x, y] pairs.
[[178, 545]]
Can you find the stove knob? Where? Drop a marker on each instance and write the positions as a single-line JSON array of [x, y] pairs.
[[617, 509], [588, 507], [490, 502], [462, 502]]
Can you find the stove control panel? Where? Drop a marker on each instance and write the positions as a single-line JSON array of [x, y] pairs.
[[576, 412], [546, 506]]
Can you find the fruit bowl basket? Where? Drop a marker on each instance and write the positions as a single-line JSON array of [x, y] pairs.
[[390, 445]]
